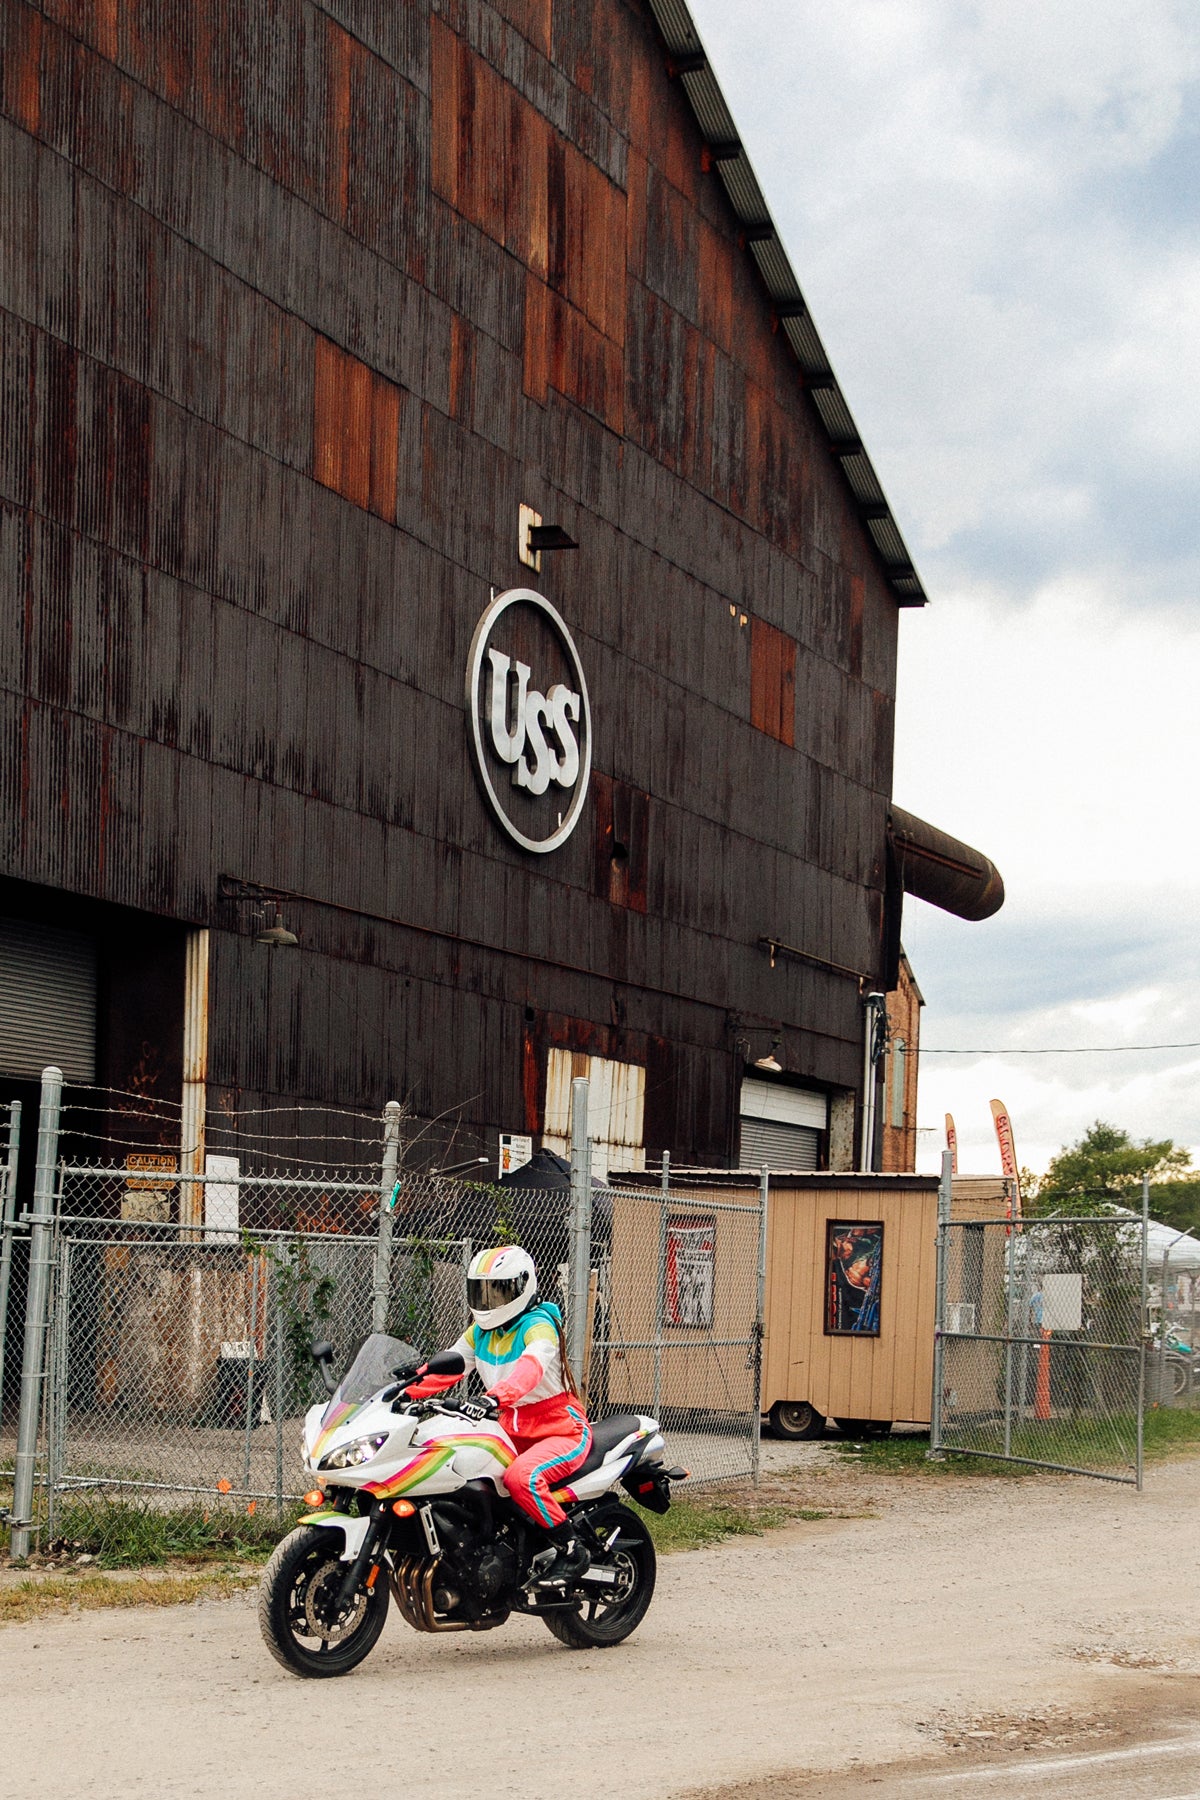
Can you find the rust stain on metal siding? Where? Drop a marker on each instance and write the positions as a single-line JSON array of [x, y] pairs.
[[356, 430], [22, 61], [772, 681]]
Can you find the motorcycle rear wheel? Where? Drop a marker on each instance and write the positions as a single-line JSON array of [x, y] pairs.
[[599, 1624], [293, 1607]]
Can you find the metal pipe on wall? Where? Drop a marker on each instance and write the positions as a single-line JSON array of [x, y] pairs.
[[876, 1005], [195, 1076]]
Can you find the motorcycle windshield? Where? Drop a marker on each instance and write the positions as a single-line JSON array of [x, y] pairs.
[[372, 1369]]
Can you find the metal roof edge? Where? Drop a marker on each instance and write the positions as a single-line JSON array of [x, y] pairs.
[[690, 65]]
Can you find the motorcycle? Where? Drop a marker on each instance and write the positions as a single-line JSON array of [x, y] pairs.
[[410, 1503]]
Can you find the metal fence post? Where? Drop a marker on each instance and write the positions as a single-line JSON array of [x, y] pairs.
[[1163, 1387], [945, 1202], [1145, 1324], [760, 1324], [581, 1226], [660, 1280], [381, 1290], [1010, 1298], [7, 1228], [278, 1397], [40, 1224]]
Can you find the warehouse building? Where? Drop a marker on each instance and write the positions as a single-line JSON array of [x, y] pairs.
[[449, 619]]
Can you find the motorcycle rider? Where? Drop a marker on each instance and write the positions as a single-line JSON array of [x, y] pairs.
[[515, 1343]]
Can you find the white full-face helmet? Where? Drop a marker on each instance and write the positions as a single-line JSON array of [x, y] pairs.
[[500, 1285]]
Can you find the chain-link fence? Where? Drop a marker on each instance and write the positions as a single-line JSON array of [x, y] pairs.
[[1040, 1347], [11, 1243], [177, 1310], [1173, 1366]]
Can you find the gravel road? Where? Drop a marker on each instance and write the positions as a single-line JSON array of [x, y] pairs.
[[963, 1618]]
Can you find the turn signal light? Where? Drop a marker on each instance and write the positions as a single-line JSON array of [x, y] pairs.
[[403, 1509], [316, 1498]]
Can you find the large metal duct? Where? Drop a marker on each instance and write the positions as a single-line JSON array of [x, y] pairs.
[[937, 867]]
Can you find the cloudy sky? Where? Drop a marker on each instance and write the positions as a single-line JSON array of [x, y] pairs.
[[991, 207]]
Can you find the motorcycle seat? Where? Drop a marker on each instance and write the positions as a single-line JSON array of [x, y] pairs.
[[605, 1437]]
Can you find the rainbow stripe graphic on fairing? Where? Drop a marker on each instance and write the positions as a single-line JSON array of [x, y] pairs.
[[433, 1457], [332, 1422]]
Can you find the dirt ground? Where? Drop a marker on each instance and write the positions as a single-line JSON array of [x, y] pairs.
[[957, 1619]]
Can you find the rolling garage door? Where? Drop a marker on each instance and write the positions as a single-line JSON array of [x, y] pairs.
[[47, 1001], [781, 1126]]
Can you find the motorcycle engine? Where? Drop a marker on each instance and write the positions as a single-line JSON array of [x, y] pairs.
[[487, 1572]]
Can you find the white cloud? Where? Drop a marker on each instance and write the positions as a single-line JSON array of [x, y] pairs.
[[981, 204], [990, 207]]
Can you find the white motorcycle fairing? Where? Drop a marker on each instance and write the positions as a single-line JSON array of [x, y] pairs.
[[420, 1453]]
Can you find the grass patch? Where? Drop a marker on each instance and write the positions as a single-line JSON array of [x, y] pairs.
[[89, 1593], [123, 1534], [909, 1455], [696, 1524], [1090, 1442], [1169, 1431]]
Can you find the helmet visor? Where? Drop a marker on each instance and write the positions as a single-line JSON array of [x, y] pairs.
[[485, 1293]]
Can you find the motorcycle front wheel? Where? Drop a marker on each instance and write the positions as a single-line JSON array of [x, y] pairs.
[[619, 1610], [296, 1600]]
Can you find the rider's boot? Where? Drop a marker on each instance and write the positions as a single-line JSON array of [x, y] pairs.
[[566, 1562]]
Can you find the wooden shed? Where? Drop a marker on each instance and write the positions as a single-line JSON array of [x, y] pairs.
[[850, 1293]]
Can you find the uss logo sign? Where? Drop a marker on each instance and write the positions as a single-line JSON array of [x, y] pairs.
[[529, 720]]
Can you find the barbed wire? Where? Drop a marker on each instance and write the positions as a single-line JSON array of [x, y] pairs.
[[1058, 1050]]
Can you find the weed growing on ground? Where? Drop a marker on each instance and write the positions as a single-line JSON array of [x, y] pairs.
[[123, 1534]]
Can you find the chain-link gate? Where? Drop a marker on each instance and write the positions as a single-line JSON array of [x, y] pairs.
[[1040, 1349], [680, 1323]]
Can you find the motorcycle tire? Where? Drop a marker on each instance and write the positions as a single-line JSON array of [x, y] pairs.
[[302, 1570], [597, 1624]]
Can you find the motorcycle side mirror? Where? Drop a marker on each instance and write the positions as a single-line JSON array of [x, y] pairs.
[[446, 1362], [322, 1355]]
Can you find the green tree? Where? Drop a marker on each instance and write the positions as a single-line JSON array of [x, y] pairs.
[[1177, 1203], [1105, 1169]]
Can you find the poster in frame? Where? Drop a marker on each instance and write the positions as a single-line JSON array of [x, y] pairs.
[[688, 1276], [853, 1275]]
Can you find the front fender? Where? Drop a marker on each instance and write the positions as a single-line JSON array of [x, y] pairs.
[[353, 1529]]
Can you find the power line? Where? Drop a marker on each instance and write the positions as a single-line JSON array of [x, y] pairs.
[[1061, 1050]]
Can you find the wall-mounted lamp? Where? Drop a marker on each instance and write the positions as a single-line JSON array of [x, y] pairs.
[[770, 1062], [550, 537], [266, 914], [533, 537], [276, 934]]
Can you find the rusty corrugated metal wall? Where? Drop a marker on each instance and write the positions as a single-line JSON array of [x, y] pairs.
[[298, 304]]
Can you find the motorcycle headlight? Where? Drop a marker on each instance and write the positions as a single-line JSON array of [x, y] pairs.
[[351, 1455]]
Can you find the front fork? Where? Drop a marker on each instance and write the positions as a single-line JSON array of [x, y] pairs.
[[368, 1553]]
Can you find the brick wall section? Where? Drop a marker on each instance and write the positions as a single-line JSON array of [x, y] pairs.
[[904, 1023]]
